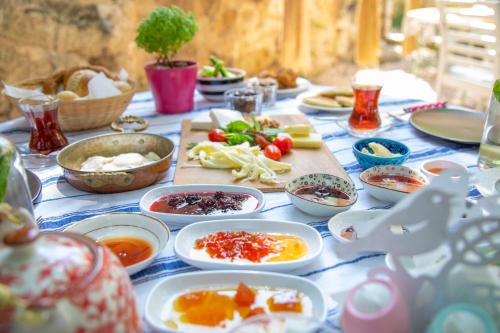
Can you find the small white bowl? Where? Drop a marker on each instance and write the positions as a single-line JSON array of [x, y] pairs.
[[186, 238], [184, 219], [316, 208], [384, 193], [161, 295], [441, 164], [152, 230], [360, 220]]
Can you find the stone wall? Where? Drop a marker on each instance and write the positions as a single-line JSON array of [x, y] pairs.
[[39, 36]]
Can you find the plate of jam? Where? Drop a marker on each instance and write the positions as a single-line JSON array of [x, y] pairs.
[[321, 194], [218, 301], [136, 239], [392, 182], [256, 244], [185, 204]]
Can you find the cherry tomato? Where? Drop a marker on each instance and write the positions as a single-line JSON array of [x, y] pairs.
[[261, 141], [284, 143], [272, 152], [217, 135]]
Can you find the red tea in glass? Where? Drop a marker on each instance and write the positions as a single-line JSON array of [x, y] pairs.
[[364, 116], [41, 114]]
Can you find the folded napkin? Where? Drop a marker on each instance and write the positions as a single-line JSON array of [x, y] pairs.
[[436, 105]]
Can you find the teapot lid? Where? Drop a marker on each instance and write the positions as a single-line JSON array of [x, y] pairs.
[[41, 268]]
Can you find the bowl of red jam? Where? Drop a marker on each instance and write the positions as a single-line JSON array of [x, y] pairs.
[[184, 204], [321, 194], [392, 182]]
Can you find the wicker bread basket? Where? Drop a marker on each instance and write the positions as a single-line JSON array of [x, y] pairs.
[[85, 114]]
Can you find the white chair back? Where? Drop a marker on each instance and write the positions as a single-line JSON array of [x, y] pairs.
[[470, 48]]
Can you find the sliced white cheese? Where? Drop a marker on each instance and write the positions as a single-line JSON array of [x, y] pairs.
[[222, 117], [298, 130], [313, 140], [202, 123]]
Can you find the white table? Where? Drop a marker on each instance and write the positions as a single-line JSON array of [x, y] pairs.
[[61, 204]]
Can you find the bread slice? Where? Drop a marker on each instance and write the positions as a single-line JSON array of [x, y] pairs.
[[321, 101], [345, 101], [337, 91]]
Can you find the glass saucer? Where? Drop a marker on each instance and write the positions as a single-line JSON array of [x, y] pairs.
[[386, 125]]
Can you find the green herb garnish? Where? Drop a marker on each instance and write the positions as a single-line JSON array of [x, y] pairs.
[[238, 126], [238, 138]]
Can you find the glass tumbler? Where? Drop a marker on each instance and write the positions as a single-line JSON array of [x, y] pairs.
[[365, 116], [489, 150], [41, 114]]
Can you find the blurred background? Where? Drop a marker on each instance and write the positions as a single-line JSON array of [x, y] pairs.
[[324, 40]]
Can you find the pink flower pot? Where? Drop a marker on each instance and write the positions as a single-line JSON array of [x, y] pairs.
[[172, 88]]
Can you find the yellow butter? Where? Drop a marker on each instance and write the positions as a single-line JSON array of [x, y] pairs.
[[313, 140]]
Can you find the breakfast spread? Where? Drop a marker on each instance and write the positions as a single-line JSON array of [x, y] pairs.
[[331, 98], [204, 203], [253, 247], [222, 308], [118, 162]]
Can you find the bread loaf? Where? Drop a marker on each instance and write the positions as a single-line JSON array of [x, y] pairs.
[[78, 81]]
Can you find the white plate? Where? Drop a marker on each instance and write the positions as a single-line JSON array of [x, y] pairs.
[[488, 182], [187, 236], [360, 220], [183, 219], [313, 108], [154, 231], [157, 302], [302, 85]]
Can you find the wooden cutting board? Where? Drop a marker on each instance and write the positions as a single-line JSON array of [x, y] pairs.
[[304, 161]]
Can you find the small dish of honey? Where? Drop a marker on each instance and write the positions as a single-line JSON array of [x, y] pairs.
[[135, 239]]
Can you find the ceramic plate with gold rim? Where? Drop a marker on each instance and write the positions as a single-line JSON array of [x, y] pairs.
[[458, 125]]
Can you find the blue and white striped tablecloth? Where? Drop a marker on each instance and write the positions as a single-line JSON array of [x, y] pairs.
[[61, 204]]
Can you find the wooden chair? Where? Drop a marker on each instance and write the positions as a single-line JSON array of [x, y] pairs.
[[469, 58]]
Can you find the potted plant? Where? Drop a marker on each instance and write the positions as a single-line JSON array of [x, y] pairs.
[[172, 82]]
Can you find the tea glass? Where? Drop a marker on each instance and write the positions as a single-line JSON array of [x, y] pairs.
[[365, 119], [41, 113]]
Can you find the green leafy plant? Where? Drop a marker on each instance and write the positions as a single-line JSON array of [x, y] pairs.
[[164, 31], [496, 90]]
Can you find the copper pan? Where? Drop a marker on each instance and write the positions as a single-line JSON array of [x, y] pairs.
[[72, 157]]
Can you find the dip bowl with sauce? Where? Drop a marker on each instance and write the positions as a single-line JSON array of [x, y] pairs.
[[136, 239], [321, 194], [392, 182], [180, 205], [434, 168]]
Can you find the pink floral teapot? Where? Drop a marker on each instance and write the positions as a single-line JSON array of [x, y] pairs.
[[61, 282], [58, 282]]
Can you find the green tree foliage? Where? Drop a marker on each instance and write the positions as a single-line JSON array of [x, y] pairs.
[[164, 31]]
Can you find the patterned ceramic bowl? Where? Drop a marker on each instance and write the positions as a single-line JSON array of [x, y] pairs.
[[314, 207], [367, 160], [389, 190]]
